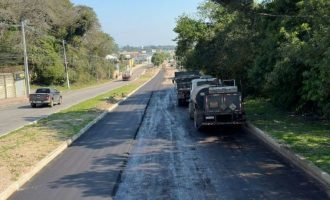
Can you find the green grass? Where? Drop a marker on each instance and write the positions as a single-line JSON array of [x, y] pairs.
[[310, 139], [75, 86]]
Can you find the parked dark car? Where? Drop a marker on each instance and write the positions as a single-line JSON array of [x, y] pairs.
[[47, 96]]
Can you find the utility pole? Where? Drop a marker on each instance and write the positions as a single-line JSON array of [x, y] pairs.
[[109, 64], [96, 72], [26, 64], [66, 66]]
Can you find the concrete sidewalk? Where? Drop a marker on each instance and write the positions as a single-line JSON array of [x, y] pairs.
[[13, 101]]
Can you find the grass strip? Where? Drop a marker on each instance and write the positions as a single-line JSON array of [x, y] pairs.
[[22, 149], [63, 88], [80, 85], [308, 138]]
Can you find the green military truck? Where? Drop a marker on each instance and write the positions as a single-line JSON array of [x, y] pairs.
[[182, 82], [214, 105]]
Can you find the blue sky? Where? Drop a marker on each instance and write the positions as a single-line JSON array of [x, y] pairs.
[[140, 22]]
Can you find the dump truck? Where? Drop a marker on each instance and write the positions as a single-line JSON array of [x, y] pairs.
[[183, 85], [215, 105]]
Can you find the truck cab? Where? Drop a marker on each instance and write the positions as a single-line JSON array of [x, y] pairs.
[[182, 82]]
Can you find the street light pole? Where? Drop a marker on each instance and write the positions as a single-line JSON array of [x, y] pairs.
[[66, 65], [26, 64]]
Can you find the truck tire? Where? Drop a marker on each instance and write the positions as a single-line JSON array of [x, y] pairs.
[[33, 105], [198, 118], [191, 111], [51, 104], [60, 101], [179, 102]]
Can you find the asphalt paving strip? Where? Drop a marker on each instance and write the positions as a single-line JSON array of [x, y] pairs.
[[90, 168], [119, 178], [164, 157]]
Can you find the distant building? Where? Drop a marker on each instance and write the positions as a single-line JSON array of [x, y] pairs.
[[111, 58]]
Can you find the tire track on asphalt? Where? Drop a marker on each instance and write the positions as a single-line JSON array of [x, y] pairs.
[[164, 159], [118, 180]]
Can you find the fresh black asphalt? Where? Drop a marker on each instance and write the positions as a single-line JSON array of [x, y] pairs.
[[168, 160], [90, 167]]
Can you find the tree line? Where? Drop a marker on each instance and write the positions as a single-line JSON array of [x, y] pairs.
[[277, 49], [148, 48], [159, 58], [48, 23]]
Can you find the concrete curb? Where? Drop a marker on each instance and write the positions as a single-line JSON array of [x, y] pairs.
[[308, 167], [44, 162]]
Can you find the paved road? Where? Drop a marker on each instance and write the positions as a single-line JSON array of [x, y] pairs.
[[18, 115], [171, 160], [168, 159], [90, 167]]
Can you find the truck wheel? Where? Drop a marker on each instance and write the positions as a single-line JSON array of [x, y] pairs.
[[60, 101], [179, 102], [33, 105], [191, 112], [198, 120], [51, 104]]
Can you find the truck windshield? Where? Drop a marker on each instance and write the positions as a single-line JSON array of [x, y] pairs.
[[205, 83], [43, 90], [183, 85]]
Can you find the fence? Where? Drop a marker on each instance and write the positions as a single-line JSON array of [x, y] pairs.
[[11, 86]]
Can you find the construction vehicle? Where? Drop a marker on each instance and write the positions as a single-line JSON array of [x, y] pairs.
[[214, 105], [182, 81], [196, 83]]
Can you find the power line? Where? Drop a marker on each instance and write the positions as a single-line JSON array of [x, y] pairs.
[[285, 16], [2, 24]]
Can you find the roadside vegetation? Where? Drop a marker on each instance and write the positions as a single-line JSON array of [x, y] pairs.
[[63, 88], [277, 50], [22, 149], [158, 58], [307, 137], [47, 24]]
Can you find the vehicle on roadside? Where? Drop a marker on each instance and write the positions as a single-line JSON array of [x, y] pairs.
[[182, 82], [126, 76], [214, 105], [195, 84], [44, 96]]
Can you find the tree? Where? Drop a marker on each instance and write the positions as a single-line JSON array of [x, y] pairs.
[[279, 49], [50, 22], [158, 58]]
